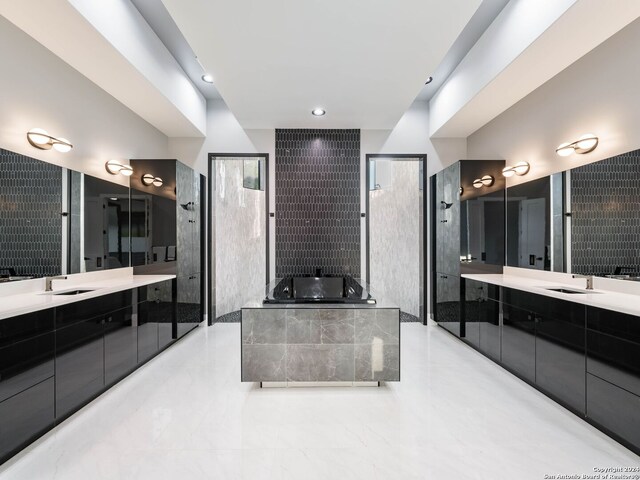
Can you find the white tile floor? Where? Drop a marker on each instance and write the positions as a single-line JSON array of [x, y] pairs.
[[185, 415]]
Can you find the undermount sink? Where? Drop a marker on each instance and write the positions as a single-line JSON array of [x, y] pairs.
[[569, 290], [72, 292]]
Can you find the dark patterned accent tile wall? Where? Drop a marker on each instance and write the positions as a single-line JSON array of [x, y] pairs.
[[605, 215], [30, 215], [317, 201]]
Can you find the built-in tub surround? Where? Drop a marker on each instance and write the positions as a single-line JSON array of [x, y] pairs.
[[307, 342], [315, 290]]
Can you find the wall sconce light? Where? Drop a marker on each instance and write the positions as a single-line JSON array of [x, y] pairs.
[[149, 179], [114, 167], [585, 144], [520, 169], [39, 138], [485, 181]]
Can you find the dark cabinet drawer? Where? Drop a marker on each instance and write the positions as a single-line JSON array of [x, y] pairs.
[[615, 409], [79, 365], [120, 345], [612, 323], [24, 364], [16, 329], [147, 336], [25, 416], [95, 307], [546, 306], [614, 359], [519, 341]]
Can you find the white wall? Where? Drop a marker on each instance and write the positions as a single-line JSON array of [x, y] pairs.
[[597, 94], [410, 135], [112, 45], [226, 135], [40, 90]]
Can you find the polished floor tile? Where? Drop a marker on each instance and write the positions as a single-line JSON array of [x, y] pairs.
[[186, 415]]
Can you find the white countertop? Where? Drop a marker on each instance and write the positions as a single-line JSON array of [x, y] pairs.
[[33, 301], [607, 299]]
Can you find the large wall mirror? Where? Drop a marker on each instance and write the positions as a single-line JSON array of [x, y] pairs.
[[99, 224], [56, 221], [585, 220]]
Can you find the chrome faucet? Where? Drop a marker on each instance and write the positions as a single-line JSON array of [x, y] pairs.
[[589, 279], [49, 280]]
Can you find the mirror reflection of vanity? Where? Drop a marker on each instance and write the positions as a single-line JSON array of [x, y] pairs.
[[583, 221], [58, 221]]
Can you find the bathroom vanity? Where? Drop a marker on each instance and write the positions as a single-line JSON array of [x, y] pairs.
[[60, 350], [580, 347], [95, 280], [317, 338]]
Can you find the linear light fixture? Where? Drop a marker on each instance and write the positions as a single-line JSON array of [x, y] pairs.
[[39, 138], [149, 179], [114, 167], [520, 169], [585, 144]]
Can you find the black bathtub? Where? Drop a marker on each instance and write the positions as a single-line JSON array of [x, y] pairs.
[[325, 289]]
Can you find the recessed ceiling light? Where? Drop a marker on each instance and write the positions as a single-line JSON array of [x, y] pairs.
[[318, 112], [429, 80], [207, 77]]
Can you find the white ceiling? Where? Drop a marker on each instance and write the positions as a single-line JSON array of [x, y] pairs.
[[363, 61]]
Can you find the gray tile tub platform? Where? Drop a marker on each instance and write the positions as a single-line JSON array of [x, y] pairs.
[[321, 344]]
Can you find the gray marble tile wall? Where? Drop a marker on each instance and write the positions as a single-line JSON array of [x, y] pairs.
[[317, 201], [320, 345], [30, 215], [394, 234], [240, 263], [605, 215]]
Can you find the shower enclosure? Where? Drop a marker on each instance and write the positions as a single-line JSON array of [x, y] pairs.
[[395, 230]]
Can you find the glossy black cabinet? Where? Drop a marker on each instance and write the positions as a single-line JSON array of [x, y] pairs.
[[468, 237], [585, 358], [26, 363], [120, 345], [92, 308], [53, 362], [156, 318], [613, 366], [189, 305], [27, 359], [519, 341], [481, 317], [22, 327], [147, 335], [79, 365], [614, 410], [26, 416], [447, 303], [613, 345], [560, 351]]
